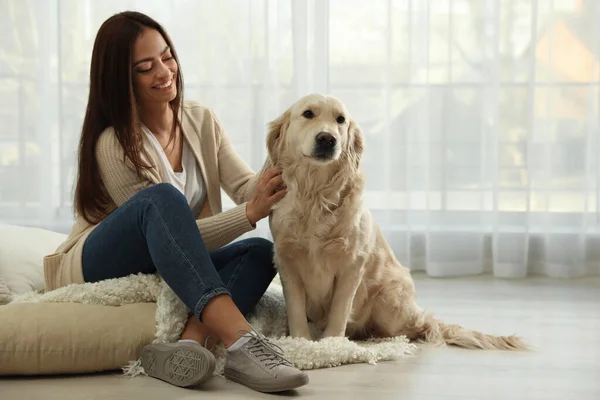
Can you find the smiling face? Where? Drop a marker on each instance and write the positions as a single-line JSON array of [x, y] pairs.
[[154, 69], [318, 128]]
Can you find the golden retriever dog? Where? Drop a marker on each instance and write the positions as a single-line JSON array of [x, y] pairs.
[[335, 265]]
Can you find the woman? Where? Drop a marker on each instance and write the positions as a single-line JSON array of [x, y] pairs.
[[151, 169]]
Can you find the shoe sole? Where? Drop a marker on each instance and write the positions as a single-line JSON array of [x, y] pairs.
[[268, 386], [180, 364]]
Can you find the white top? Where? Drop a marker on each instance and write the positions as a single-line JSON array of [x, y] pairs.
[[189, 181]]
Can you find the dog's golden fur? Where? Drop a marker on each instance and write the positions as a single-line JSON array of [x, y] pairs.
[[335, 265]]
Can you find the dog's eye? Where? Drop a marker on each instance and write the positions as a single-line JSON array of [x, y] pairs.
[[308, 114], [341, 119]]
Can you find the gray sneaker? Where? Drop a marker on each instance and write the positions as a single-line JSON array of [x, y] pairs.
[[180, 364], [260, 365]]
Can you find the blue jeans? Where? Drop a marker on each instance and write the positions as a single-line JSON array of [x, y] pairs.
[[155, 230]]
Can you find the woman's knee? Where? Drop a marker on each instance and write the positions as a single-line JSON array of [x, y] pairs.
[[164, 192], [164, 189], [261, 245], [261, 250]]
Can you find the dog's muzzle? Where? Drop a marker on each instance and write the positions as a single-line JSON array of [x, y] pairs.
[[324, 147]]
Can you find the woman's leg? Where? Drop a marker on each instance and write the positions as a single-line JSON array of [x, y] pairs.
[[246, 268], [156, 229]]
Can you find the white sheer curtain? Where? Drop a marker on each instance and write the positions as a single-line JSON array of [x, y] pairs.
[[481, 117]]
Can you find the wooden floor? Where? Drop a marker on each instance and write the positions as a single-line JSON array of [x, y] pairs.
[[560, 318]]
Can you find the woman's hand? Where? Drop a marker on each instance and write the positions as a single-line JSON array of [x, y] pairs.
[[269, 190]]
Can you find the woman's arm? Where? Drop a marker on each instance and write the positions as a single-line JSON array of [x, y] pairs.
[[121, 181]]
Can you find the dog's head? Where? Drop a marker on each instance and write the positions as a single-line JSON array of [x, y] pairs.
[[316, 129]]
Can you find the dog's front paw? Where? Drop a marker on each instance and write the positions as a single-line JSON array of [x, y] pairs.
[[301, 333], [333, 333]]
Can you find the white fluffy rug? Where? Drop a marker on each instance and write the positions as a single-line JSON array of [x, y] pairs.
[[268, 318]]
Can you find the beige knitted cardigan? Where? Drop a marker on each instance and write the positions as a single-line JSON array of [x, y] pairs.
[[221, 167]]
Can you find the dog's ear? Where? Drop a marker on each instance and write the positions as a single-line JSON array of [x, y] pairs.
[[275, 135], [355, 144]]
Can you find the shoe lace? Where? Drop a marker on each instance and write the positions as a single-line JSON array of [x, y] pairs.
[[266, 351], [214, 343]]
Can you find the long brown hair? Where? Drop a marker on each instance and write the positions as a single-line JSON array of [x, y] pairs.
[[111, 103]]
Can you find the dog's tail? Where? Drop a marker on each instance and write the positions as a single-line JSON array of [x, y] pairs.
[[435, 332]]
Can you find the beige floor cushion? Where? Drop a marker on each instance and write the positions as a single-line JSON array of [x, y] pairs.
[[66, 338]]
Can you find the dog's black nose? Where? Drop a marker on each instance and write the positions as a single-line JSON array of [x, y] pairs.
[[325, 140]]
